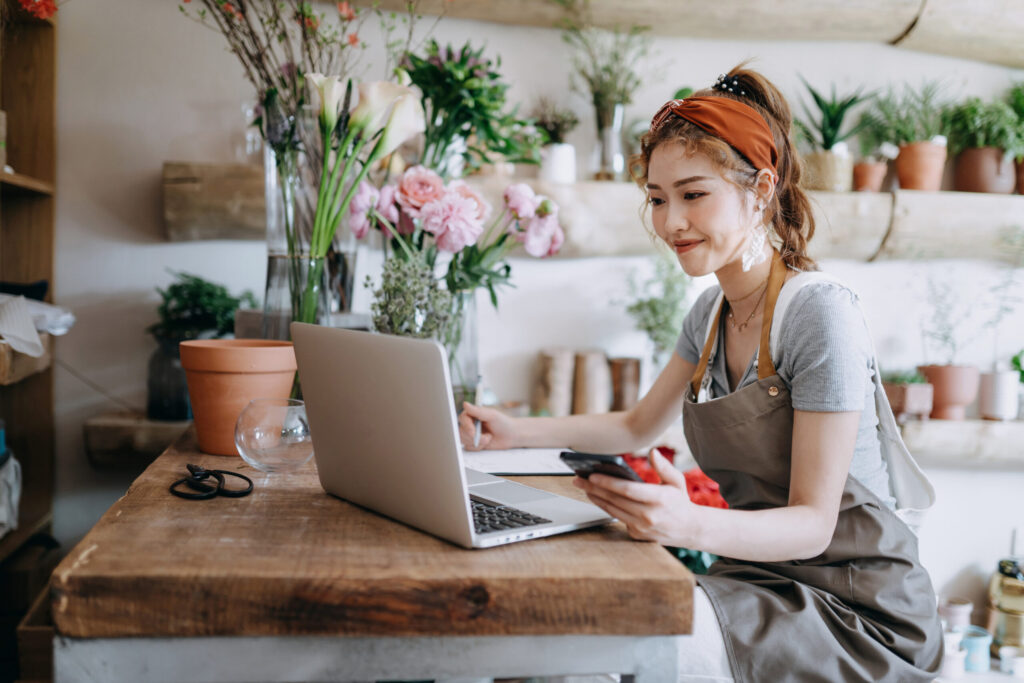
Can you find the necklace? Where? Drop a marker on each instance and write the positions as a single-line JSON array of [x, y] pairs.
[[747, 296], [743, 325]]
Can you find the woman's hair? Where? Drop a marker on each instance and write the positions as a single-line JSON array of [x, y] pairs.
[[789, 212]]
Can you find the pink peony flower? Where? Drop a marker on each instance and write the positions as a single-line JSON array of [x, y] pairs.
[[418, 187], [386, 204], [453, 222], [483, 206], [543, 236], [521, 200], [363, 201]]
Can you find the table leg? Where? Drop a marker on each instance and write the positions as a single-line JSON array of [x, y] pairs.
[[322, 659]]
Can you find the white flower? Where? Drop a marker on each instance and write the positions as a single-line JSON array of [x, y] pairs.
[[374, 100], [332, 94], [406, 120]]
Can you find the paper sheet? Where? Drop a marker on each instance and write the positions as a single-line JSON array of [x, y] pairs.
[[517, 461], [17, 329]]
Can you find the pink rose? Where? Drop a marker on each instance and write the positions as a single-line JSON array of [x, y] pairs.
[[418, 187], [521, 200], [483, 207], [364, 200], [386, 204], [543, 236], [453, 222]]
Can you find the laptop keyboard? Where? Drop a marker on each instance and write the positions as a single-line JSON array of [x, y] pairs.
[[487, 517]]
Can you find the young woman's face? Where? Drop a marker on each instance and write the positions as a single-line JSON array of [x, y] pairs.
[[703, 217]]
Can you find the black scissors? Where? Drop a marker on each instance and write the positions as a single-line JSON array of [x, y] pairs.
[[199, 481]]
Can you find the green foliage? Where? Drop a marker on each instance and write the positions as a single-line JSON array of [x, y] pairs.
[[974, 123], [194, 307], [1015, 97], [683, 93], [871, 134], [904, 377], [605, 63], [464, 98], [914, 115], [697, 561], [659, 305], [409, 301], [1018, 364], [556, 123], [823, 129]]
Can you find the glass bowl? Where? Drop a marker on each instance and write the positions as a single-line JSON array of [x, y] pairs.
[[272, 434]]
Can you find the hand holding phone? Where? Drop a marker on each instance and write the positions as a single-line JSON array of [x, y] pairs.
[[585, 464]]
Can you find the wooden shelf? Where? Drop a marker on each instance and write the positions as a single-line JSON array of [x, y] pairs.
[[987, 30], [128, 440], [16, 183], [967, 444], [26, 529]]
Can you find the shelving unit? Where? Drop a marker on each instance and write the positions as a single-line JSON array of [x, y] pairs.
[[27, 199]]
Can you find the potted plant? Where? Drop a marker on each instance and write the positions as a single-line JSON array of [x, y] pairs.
[[985, 137], [605, 66], [915, 121], [875, 152], [191, 308], [909, 394], [998, 395], [1016, 100], [829, 166], [659, 306], [557, 157]]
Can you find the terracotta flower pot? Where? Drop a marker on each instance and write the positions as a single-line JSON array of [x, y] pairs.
[[826, 170], [956, 387], [868, 175], [909, 399], [920, 165], [224, 375], [984, 169], [1020, 177]]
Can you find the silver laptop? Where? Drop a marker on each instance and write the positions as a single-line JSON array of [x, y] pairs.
[[385, 437]]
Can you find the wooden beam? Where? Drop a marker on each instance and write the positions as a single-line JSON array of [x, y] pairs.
[[986, 30], [213, 201]]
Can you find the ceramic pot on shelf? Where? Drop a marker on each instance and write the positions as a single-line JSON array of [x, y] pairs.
[[984, 169], [955, 388], [224, 375], [869, 175], [909, 399], [558, 163], [920, 165], [998, 395]]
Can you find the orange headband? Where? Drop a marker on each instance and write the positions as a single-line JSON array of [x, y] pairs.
[[741, 126]]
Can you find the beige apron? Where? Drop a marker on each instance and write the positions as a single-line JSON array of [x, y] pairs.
[[865, 609]]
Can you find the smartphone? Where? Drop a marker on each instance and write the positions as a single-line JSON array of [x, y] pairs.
[[585, 464]]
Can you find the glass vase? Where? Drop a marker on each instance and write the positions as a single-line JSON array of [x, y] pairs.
[[297, 289], [463, 349], [611, 162]]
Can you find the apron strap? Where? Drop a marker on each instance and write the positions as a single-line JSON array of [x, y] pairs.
[[765, 366], [776, 278]]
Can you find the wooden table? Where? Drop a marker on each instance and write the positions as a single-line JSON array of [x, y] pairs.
[[290, 584]]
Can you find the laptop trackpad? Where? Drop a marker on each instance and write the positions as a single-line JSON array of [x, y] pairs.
[[509, 493]]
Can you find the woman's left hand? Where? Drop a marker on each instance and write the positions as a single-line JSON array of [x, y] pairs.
[[651, 512]]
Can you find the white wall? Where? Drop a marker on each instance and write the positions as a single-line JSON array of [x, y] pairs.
[[139, 84]]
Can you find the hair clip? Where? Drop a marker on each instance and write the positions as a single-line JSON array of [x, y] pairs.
[[728, 84]]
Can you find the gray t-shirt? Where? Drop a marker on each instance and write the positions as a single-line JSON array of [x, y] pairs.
[[825, 359]]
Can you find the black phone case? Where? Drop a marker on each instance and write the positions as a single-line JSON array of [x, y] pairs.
[[585, 464]]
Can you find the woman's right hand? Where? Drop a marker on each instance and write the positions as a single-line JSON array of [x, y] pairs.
[[496, 428]]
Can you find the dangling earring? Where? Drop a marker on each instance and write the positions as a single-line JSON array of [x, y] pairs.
[[754, 254]]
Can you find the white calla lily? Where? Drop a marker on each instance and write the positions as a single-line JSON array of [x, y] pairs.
[[332, 95], [406, 120], [374, 100]]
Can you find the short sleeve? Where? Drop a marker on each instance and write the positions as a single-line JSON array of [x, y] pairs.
[[695, 326], [826, 351]]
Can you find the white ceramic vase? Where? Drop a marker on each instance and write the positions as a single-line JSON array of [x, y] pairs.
[[558, 163], [998, 397]]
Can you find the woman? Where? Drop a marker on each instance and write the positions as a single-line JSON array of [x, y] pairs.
[[819, 578]]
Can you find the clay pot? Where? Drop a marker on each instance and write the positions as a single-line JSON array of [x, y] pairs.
[[826, 170], [984, 169], [956, 387], [909, 400], [868, 175], [1020, 177], [224, 375], [920, 165]]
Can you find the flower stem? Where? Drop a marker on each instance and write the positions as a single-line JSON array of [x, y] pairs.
[[394, 233]]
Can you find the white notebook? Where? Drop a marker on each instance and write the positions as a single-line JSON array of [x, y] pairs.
[[518, 461]]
